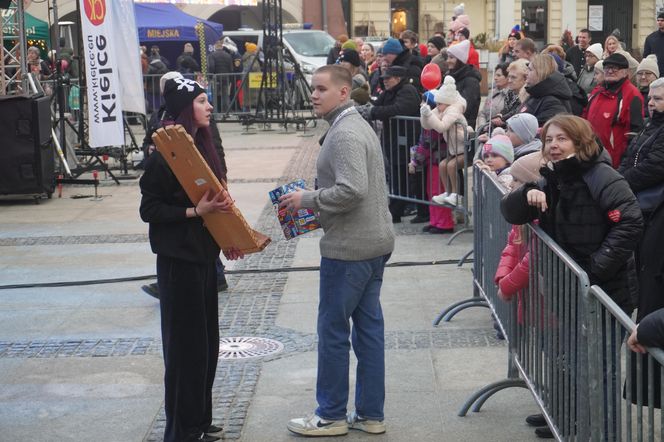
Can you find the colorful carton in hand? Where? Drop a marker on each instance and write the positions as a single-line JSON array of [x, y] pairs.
[[293, 223]]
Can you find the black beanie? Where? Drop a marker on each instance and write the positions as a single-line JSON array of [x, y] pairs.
[[351, 56], [438, 42], [180, 93], [660, 15]]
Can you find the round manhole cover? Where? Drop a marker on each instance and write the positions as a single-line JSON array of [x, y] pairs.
[[247, 347]]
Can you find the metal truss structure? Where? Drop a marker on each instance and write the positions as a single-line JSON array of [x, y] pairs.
[[12, 58]]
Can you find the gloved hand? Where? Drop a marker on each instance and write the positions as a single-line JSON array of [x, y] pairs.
[[425, 111], [365, 111]]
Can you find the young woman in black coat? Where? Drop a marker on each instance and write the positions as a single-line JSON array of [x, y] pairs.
[[585, 206], [186, 273], [549, 94], [467, 79]]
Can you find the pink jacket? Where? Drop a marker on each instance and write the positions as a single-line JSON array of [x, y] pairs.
[[445, 123], [512, 272]]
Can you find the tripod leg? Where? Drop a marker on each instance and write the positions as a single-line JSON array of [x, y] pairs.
[[58, 150]]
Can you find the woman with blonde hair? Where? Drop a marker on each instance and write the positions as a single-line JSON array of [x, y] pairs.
[[547, 88], [611, 45]]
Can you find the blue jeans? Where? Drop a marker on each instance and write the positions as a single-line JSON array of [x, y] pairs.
[[351, 289]]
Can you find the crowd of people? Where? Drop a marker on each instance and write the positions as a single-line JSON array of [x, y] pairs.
[[573, 133], [226, 66], [572, 130]]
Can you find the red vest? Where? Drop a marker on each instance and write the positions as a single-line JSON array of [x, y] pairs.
[[609, 114]]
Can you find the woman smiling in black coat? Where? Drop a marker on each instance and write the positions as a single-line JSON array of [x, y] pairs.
[[585, 206]]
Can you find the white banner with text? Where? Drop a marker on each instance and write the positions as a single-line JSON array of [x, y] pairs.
[[104, 93]]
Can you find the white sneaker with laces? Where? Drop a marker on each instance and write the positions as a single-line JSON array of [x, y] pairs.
[[315, 426], [439, 199], [453, 199], [356, 422]]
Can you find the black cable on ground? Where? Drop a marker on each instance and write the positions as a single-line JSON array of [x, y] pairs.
[[229, 272]]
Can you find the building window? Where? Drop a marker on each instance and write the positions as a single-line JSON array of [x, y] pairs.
[[404, 16], [533, 19]]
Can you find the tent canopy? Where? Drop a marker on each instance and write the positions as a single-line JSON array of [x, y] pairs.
[[164, 22], [35, 29]]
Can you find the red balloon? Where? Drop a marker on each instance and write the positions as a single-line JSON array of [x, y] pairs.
[[430, 77]]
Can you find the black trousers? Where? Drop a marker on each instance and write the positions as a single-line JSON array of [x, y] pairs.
[[190, 336]]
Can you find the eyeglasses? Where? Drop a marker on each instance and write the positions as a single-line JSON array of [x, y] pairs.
[[644, 74], [612, 68]]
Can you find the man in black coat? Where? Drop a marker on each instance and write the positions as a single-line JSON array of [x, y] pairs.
[[397, 55], [220, 63], [185, 63], [400, 98], [654, 43], [576, 55]]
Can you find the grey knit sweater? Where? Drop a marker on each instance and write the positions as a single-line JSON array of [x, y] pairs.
[[352, 195]]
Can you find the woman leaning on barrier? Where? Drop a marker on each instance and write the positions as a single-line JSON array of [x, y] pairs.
[[584, 205]]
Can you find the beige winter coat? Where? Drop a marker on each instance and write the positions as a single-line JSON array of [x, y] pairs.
[[444, 123]]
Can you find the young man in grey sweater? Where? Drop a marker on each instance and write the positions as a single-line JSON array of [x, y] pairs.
[[359, 238]]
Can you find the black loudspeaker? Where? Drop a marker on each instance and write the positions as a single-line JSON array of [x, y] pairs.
[[27, 162], [4, 4]]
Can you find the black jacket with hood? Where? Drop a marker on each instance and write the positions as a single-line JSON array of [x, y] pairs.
[[548, 98], [468, 84]]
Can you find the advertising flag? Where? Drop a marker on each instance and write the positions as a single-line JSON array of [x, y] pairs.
[[104, 92]]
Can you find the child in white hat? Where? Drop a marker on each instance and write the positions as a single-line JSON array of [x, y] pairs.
[[450, 107]]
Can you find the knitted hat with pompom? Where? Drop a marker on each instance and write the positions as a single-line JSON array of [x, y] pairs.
[[499, 144], [447, 93]]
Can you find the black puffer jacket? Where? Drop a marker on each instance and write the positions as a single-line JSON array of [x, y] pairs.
[[408, 61], [468, 84], [548, 98], [593, 215], [643, 164]]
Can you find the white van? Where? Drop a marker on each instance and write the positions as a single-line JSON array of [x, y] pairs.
[[309, 47]]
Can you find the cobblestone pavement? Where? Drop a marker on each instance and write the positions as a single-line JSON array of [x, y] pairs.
[[249, 308]]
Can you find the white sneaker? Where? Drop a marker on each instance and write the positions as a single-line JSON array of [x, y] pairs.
[[367, 425], [315, 426], [440, 199], [453, 199]]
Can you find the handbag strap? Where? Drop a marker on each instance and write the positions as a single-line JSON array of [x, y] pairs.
[[648, 141]]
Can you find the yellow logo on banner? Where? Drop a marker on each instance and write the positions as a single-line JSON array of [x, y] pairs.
[[95, 11], [256, 78]]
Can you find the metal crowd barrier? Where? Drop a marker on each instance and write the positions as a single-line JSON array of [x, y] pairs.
[[565, 338], [490, 230], [625, 387], [418, 187], [235, 95], [544, 327]]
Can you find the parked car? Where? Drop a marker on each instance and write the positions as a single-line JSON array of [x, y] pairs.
[[308, 47]]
